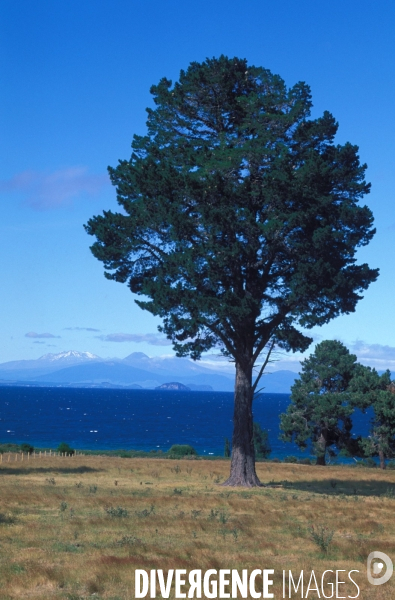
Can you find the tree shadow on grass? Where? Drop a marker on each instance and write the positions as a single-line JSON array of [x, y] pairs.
[[32, 470], [336, 487]]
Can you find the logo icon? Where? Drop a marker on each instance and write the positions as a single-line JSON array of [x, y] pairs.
[[379, 559]]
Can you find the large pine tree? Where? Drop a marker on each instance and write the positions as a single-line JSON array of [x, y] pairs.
[[239, 222]]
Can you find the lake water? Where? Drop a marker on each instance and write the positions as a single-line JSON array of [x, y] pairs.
[[135, 419]]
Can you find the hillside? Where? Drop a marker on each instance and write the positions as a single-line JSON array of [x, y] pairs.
[[137, 369]]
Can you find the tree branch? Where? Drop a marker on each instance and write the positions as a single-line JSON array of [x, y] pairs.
[[264, 365], [228, 345]]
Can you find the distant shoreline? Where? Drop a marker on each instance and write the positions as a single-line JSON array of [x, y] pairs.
[[14, 449], [93, 386]]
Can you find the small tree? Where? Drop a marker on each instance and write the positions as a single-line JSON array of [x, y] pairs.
[[180, 450], [239, 222], [321, 401], [28, 448], [261, 442], [381, 441], [64, 448]]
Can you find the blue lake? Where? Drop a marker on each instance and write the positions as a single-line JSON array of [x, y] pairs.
[[135, 419]]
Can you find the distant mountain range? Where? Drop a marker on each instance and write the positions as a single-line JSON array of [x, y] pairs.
[[83, 369]]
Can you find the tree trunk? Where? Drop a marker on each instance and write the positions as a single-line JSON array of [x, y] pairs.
[[242, 469], [321, 446], [382, 459]]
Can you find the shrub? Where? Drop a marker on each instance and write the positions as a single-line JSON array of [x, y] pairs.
[[290, 459], [391, 465], [223, 517], [27, 448], [390, 493], [64, 448], [117, 512], [321, 536], [128, 540], [146, 512], [304, 461], [369, 462], [179, 450], [6, 519]]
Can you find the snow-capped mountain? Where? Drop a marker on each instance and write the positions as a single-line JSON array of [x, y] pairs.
[[49, 362], [72, 367], [69, 356]]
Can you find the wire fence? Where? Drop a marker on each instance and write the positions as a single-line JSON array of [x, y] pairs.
[[7, 457]]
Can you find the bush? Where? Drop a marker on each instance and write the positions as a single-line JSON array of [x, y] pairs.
[[391, 465], [369, 462], [321, 536], [27, 448], [6, 519], [64, 448], [117, 512], [290, 459], [179, 450]]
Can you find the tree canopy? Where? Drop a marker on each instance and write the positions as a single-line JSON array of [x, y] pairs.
[[322, 402], [331, 386], [239, 222], [381, 441]]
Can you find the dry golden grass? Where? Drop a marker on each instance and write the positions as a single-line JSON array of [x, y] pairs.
[[76, 528]]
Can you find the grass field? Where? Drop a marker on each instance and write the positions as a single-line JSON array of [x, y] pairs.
[[76, 528]]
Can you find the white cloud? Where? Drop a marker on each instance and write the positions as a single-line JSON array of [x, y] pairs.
[[81, 329], [46, 191], [148, 338], [282, 361], [33, 334], [374, 355]]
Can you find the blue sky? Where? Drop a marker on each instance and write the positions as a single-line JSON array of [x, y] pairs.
[[76, 79]]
